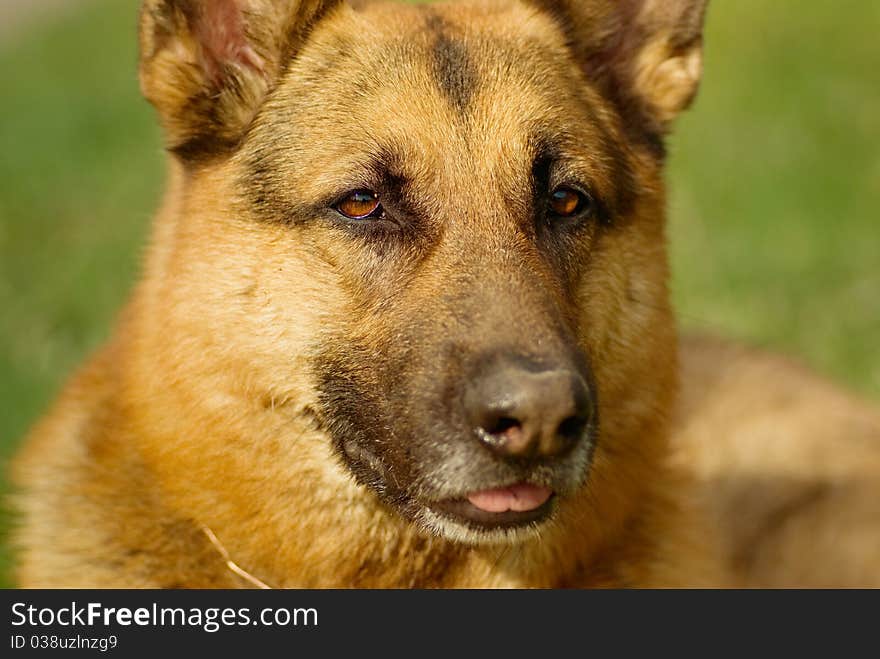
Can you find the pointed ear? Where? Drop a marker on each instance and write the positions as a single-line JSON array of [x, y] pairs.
[[206, 65], [646, 54]]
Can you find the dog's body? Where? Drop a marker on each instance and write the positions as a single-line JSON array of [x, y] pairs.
[[319, 387]]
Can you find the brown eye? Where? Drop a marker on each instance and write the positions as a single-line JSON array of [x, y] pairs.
[[360, 205], [568, 202]]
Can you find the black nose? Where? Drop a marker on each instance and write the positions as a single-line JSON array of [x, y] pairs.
[[521, 413]]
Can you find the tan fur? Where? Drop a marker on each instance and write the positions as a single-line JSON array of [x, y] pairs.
[[201, 412], [789, 464]]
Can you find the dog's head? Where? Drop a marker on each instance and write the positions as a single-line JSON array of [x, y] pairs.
[[447, 219]]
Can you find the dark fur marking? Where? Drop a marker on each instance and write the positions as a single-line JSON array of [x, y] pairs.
[[453, 66], [203, 148]]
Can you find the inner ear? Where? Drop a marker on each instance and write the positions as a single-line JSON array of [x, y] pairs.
[[668, 78], [201, 73], [207, 65], [210, 33], [667, 64], [219, 30]]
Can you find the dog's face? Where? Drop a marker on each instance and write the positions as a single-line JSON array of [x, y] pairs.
[[451, 225]]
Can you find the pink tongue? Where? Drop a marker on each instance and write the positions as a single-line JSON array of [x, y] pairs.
[[519, 498]]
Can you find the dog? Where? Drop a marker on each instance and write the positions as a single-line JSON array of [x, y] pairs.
[[404, 322]]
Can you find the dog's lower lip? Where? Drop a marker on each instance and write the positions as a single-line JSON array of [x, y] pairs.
[[521, 497], [463, 510]]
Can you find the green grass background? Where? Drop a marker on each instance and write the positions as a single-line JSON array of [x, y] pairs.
[[775, 180]]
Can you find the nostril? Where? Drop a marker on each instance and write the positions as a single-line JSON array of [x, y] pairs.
[[502, 426], [504, 435], [572, 429]]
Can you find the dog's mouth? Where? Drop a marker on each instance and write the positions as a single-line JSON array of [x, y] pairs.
[[519, 505], [505, 508]]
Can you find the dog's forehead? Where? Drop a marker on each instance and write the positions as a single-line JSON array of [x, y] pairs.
[[438, 76], [459, 100], [468, 52], [464, 46]]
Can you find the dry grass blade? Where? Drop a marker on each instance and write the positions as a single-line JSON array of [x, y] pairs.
[[232, 565]]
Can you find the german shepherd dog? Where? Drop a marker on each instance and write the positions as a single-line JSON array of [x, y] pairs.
[[404, 322]]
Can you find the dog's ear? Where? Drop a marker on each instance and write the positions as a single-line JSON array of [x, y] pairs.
[[206, 65], [646, 54]]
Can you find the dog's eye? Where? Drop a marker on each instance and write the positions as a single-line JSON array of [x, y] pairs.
[[566, 202], [360, 205]]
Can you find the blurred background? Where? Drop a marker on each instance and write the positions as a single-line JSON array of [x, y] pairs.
[[774, 178]]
